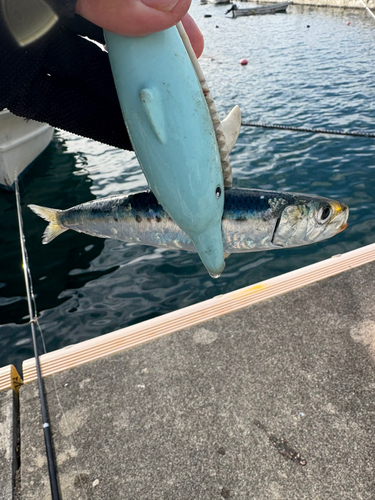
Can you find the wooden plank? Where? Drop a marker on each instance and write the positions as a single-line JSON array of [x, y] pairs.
[[152, 329]]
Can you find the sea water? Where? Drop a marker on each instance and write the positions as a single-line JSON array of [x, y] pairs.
[[306, 68]]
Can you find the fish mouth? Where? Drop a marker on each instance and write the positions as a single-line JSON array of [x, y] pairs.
[[341, 212], [340, 209]]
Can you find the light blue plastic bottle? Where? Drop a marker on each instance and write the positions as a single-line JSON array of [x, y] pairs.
[[172, 134]]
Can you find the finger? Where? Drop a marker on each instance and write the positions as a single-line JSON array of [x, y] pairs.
[[133, 17], [194, 34]]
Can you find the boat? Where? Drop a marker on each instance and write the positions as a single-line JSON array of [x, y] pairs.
[[261, 10], [21, 142], [217, 2]]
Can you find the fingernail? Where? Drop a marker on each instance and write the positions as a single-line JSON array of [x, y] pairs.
[[162, 5]]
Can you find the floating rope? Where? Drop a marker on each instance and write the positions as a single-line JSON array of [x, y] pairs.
[[310, 130]]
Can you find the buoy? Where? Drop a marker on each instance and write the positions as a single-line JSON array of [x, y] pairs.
[[348, 23], [243, 62], [308, 26]]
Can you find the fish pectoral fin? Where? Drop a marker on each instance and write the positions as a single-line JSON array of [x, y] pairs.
[[53, 229], [153, 107], [231, 126]]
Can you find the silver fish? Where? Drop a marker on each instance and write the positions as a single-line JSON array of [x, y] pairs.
[[253, 220]]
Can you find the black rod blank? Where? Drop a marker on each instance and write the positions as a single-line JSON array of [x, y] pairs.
[[46, 427]]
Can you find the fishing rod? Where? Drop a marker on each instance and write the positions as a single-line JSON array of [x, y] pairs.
[[46, 427]]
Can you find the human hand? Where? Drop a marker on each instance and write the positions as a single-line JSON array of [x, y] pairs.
[[141, 17]]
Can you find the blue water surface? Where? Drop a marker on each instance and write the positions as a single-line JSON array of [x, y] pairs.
[[317, 76]]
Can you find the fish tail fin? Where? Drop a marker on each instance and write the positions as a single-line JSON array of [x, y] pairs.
[[53, 229]]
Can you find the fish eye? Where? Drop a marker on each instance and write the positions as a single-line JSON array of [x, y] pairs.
[[218, 192], [324, 214]]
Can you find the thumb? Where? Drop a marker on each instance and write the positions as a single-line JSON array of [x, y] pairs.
[[133, 17]]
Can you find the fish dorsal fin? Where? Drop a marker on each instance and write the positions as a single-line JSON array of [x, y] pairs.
[[231, 126]]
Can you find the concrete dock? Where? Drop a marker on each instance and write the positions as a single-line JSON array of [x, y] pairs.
[[270, 401]]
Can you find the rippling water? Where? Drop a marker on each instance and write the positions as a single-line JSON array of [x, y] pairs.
[[317, 76]]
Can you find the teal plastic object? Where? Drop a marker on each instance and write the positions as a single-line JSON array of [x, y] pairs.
[[172, 134]]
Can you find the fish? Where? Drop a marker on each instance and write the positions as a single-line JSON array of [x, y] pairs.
[[253, 220]]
